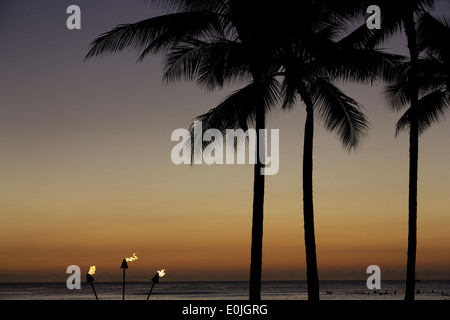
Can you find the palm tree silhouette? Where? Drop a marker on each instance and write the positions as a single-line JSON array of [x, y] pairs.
[[313, 61], [309, 60], [395, 16], [433, 75], [239, 108], [402, 16], [247, 50], [234, 52]]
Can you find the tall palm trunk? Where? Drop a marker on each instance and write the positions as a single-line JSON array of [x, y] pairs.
[[258, 209], [411, 35], [308, 206]]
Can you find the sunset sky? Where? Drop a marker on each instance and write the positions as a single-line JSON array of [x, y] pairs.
[[86, 176]]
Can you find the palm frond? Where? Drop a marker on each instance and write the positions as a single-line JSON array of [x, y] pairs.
[[289, 94], [339, 113], [397, 93], [360, 38], [155, 34], [426, 4], [432, 108], [211, 63], [431, 75], [237, 111], [365, 38], [362, 65], [223, 61], [298, 68], [430, 34], [184, 60]]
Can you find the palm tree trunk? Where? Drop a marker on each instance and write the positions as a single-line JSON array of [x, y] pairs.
[[258, 210], [410, 31], [412, 212], [308, 207]]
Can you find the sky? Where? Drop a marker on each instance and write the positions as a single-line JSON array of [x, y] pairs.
[[86, 176]]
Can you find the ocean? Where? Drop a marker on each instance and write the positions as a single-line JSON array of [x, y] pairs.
[[271, 290]]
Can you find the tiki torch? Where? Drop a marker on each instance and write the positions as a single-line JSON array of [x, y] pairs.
[[155, 279], [124, 266], [90, 279]]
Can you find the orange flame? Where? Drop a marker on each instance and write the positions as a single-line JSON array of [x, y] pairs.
[[91, 270], [134, 257], [161, 273]]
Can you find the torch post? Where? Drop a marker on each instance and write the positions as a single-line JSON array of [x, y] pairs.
[[124, 266], [90, 279], [155, 279]]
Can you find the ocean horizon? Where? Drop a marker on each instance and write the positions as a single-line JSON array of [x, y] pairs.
[[222, 290]]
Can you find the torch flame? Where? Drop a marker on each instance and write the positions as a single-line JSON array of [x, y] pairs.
[[134, 257], [161, 273], [91, 270]]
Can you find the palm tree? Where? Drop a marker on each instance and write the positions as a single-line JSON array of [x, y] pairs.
[[310, 79], [395, 16], [311, 64], [402, 16], [246, 51], [433, 88], [236, 51], [309, 60]]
